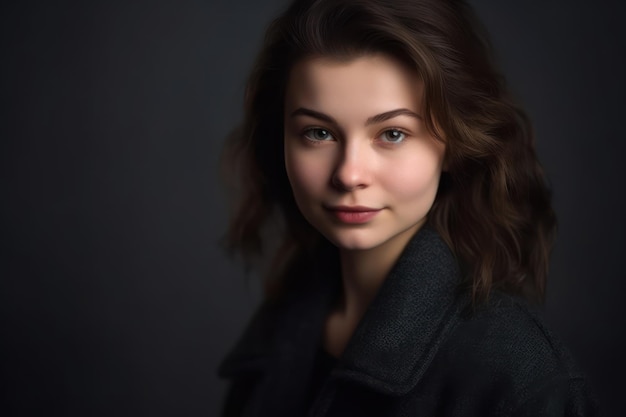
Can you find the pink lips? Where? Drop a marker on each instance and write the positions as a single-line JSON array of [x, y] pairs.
[[353, 214]]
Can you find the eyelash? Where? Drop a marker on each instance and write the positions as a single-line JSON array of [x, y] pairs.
[[307, 131]]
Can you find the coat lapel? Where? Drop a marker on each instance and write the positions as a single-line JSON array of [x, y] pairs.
[[412, 314]]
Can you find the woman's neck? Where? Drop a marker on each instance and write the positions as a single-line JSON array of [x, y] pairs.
[[364, 271]]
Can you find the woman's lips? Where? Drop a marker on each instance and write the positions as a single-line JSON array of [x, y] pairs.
[[353, 214]]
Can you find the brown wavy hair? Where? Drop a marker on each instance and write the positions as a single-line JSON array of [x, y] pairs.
[[493, 204]]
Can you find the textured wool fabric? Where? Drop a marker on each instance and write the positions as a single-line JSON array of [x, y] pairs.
[[419, 350]]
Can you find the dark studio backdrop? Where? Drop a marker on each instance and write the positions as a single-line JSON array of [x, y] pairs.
[[115, 298]]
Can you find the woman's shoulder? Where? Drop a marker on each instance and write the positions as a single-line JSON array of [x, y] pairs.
[[506, 346], [508, 325]]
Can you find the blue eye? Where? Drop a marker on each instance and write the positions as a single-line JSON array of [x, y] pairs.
[[393, 136], [317, 133]]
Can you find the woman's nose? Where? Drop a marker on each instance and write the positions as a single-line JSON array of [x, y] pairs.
[[353, 170]]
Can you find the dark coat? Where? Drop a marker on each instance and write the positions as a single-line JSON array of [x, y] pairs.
[[418, 351]]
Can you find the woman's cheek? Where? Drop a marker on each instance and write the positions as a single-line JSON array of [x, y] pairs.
[[414, 176], [307, 171]]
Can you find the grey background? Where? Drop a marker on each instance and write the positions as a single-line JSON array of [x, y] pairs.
[[115, 298]]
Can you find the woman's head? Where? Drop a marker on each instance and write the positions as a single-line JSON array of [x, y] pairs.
[[363, 167], [491, 204]]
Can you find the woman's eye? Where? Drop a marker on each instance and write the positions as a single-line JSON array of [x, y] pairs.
[[318, 134], [393, 136]]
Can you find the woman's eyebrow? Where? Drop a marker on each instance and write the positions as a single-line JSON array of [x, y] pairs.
[[390, 115], [301, 111]]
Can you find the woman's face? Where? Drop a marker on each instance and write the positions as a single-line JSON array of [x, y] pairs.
[[363, 168]]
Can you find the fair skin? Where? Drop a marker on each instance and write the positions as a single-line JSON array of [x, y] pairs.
[[363, 167]]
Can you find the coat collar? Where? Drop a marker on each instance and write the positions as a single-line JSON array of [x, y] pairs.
[[404, 326], [414, 311]]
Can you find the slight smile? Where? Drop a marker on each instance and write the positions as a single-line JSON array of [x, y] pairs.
[[353, 214]]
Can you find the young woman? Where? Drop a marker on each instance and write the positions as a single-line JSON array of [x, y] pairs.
[[384, 165]]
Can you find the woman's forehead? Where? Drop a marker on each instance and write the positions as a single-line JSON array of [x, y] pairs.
[[371, 83]]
